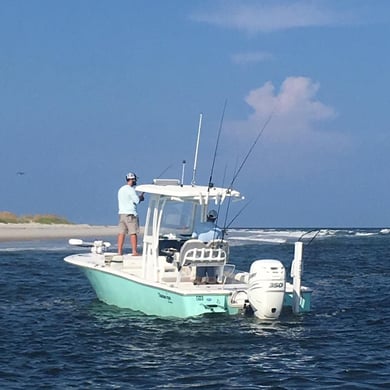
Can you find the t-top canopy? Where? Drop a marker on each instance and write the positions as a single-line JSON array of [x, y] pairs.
[[171, 188]]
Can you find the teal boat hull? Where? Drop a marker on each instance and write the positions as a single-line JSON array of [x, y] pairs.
[[304, 302], [155, 300], [152, 300]]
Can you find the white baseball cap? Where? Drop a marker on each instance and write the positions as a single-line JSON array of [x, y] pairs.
[[131, 176]]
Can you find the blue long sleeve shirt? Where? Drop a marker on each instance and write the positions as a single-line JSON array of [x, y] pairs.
[[127, 200]]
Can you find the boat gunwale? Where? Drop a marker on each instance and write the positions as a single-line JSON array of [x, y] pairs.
[[185, 288]]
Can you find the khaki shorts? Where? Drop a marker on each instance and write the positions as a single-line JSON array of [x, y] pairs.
[[128, 224]]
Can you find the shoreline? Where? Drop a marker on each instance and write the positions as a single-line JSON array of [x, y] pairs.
[[37, 231]]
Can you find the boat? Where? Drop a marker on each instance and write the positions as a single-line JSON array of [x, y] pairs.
[[164, 281]]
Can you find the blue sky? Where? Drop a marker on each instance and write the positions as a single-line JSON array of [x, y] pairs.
[[90, 90]]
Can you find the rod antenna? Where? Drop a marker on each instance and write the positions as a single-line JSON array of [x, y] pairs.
[[182, 171], [196, 150]]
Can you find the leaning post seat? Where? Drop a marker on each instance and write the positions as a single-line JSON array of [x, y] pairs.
[[196, 253], [220, 244]]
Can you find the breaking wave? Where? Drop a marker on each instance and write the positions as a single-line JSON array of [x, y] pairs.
[[280, 236], [240, 236]]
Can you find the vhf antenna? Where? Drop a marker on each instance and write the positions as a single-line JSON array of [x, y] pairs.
[[182, 171]]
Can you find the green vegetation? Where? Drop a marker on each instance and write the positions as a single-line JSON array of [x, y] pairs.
[[47, 219]]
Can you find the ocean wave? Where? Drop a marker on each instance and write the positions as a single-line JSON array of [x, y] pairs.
[[259, 239], [280, 236], [363, 234]]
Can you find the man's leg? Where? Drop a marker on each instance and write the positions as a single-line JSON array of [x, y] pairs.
[[133, 241], [121, 240]]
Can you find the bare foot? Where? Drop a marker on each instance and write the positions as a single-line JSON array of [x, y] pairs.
[[136, 254]]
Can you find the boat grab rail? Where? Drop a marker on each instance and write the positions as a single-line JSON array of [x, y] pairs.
[[196, 252], [204, 256]]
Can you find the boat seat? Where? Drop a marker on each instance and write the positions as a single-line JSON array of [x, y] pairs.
[[203, 259], [188, 249], [219, 244], [196, 252]]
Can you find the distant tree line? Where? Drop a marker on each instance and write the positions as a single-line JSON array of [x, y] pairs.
[[8, 217]]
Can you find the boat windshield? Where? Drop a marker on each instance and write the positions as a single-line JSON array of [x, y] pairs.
[[178, 217]]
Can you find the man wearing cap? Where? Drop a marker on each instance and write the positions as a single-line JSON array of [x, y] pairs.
[[208, 231], [128, 217]]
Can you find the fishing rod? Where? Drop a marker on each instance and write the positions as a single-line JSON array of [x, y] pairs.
[[228, 205], [219, 206], [210, 184], [216, 145], [237, 215], [169, 166], [164, 170], [310, 231], [226, 226], [251, 149], [239, 170]]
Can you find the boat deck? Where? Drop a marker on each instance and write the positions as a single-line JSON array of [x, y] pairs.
[[234, 284], [129, 266]]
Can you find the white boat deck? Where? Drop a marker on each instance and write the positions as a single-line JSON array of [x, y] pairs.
[[132, 266]]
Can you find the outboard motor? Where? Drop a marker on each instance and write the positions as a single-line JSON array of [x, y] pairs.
[[267, 281]]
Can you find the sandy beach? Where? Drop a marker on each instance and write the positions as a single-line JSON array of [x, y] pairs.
[[37, 231]]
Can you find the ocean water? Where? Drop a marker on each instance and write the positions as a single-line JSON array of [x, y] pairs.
[[55, 334]]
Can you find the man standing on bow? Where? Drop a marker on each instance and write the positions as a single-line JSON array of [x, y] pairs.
[[128, 217]]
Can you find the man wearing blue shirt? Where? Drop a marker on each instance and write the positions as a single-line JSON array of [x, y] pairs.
[[206, 232], [128, 217]]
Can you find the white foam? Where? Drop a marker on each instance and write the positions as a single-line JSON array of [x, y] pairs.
[[364, 234], [258, 239]]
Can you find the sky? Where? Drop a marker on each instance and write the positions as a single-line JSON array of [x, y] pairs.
[[296, 90]]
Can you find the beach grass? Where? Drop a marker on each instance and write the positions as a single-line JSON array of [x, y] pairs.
[[48, 226]]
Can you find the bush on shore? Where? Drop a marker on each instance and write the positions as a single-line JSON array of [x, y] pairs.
[[48, 219]]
